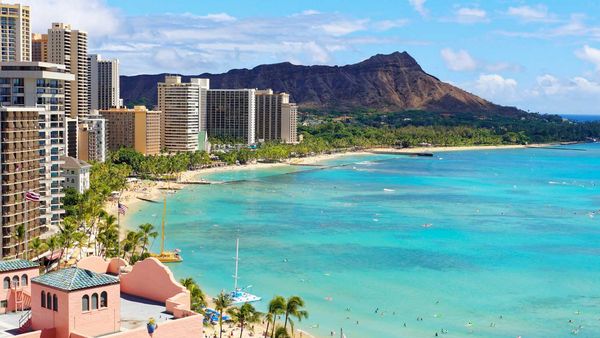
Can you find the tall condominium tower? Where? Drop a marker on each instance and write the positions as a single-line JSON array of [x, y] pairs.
[[92, 138], [231, 114], [41, 85], [20, 168], [181, 107], [275, 117], [15, 33], [137, 128], [68, 47], [39, 47], [104, 83]]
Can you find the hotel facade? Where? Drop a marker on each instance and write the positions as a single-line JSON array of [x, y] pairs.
[[15, 42], [40, 85], [276, 117], [231, 114], [181, 106], [137, 128], [104, 83]]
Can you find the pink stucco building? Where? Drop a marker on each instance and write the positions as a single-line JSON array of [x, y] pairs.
[[108, 299], [16, 275]]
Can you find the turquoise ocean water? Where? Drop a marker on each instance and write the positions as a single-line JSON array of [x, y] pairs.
[[512, 248]]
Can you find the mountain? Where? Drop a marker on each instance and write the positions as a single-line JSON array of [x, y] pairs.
[[393, 82]]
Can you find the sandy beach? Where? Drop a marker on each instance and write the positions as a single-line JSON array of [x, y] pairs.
[[133, 197]]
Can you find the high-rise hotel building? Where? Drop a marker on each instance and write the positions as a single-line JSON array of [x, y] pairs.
[[69, 47], [276, 117], [104, 83], [15, 42], [231, 114], [39, 47], [137, 128], [30, 89], [181, 107], [20, 173]]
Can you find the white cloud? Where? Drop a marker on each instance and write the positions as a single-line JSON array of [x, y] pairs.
[[419, 6], [385, 25], [585, 86], [218, 17], [470, 15], [576, 26], [550, 85], [495, 86], [310, 12], [339, 28], [459, 60], [93, 16], [589, 54], [528, 13]]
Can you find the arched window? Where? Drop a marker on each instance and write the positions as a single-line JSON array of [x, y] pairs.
[[85, 303], [103, 299], [24, 280], [15, 281], [95, 301], [43, 299], [54, 303], [6, 283], [49, 301]]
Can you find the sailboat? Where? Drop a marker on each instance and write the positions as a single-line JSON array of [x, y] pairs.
[[166, 256], [238, 295]]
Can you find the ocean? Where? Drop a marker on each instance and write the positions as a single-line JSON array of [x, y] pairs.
[[582, 118], [498, 243]]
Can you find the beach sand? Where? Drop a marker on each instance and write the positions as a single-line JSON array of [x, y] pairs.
[[154, 190]]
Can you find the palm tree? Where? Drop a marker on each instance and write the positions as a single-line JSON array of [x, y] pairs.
[[19, 236], [37, 245], [222, 302], [67, 235], [276, 308], [147, 231], [281, 332], [246, 314], [198, 298], [293, 309], [53, 242]]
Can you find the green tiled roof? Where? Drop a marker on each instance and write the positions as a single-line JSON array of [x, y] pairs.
[[74, 278], [16, 264]]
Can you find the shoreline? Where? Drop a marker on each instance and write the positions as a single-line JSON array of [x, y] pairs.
[[153, 190]]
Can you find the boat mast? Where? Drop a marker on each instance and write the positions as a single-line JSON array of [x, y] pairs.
[[235, 277], [164, 215]]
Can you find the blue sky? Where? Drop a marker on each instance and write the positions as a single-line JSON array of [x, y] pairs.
[[538, 55]]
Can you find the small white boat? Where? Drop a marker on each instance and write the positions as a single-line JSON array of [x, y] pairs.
[[238, 295]]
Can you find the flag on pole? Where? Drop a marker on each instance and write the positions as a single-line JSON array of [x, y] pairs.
[[32, 196], [122, 208]]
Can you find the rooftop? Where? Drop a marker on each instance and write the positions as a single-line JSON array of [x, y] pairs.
[[135, 311], [17, 264], [71, 162], [74, 278]]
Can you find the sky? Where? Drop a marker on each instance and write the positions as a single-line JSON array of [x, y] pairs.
[[541, 56]]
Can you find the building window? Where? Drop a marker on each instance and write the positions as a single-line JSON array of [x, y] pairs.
[[48, 301], [4, 304], [15, 281], [85, 303], [104, 299], [43, 299], [54, 303], [24, 280], [6, 283], [95, 301]]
